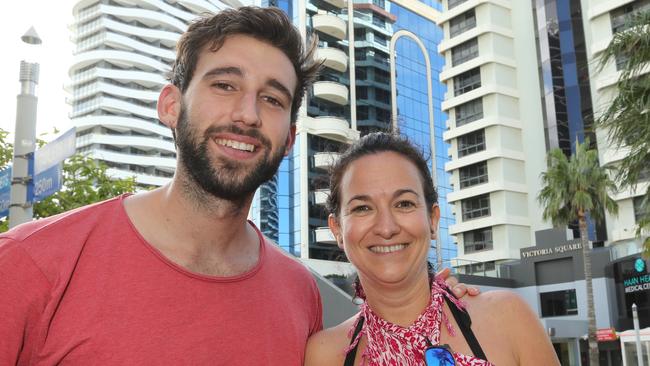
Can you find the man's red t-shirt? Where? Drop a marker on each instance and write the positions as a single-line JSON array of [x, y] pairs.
[[85, 288]]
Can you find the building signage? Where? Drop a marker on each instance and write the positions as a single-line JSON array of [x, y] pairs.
[[606, 335], [5, 191], [553, 250], [639, 282]]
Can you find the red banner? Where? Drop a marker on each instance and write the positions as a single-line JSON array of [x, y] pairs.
[[606, 335]]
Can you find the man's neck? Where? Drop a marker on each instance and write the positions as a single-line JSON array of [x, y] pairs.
[[204, 234]]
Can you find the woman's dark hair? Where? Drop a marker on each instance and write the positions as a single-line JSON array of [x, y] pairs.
[[375, 143], [269, 25]]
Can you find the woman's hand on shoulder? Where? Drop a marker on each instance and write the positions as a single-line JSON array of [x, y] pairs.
[[531, 344]]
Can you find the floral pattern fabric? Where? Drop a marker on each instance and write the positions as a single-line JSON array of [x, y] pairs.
[[389, 344]]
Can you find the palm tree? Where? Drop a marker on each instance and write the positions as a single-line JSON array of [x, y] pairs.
[[627, 118], [573, 189]]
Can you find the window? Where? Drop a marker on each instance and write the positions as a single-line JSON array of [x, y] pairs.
[[471, 143], [480, 268], [362, 112], [382, 96], [474, 174], [559, 303], [478, 240], [620, 17], [362, 92], [464, 52], [639, 210], [476, 207], [469, 112], [467, 81], [462, 23], [454, 3]]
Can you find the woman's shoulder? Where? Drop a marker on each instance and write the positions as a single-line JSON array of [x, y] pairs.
[[503, 300], [327, 347]]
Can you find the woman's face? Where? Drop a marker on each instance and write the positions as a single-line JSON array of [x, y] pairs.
[[384, 225]]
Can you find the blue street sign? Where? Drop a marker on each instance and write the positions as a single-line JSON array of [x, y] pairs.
[[47, 182], [47, 167], [5, 191]]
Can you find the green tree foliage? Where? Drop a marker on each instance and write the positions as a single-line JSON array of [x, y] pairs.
[[85, 181], [573, 189], [627, 118]]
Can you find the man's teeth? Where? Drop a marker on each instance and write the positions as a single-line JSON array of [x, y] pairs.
[[387, 248], [236, 144]]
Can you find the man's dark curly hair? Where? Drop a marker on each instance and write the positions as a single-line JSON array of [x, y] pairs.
[[270, 25]]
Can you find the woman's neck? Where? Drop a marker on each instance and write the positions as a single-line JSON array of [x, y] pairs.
[[399, 304]]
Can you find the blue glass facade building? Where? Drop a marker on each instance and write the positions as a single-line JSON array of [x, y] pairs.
[[375, 23], [412, 104]]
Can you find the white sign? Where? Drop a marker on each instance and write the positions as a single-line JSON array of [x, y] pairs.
[[55, 151]]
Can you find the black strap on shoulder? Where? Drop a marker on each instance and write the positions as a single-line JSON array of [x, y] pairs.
[[465, 325], [349, 358]]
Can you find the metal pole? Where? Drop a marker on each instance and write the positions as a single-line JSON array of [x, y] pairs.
[[351, 67], [635, 320], [20, 208], [432, 130]]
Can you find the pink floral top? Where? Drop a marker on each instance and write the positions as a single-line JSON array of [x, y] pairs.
[[389, 344]]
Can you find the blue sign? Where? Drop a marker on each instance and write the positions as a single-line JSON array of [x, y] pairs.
[[47, 167], [5, 191], [47, 182], [639, 265]]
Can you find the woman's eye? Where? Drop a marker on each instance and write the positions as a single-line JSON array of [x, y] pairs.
[[360, 209], [405, 204]]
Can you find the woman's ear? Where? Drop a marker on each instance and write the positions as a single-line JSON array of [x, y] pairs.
[[333, 223], [435, 219], [169, 105]]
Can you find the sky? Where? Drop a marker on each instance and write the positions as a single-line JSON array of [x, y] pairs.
[[51, 19]]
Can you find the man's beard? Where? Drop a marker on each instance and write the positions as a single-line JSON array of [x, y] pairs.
[[224, 179]]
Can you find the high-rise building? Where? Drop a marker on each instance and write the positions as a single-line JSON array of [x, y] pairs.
[[602, 20], [495, 129], [522, 79], [290, 209], [123, 50]]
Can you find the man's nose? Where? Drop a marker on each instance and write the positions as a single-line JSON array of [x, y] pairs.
[[246, 110]]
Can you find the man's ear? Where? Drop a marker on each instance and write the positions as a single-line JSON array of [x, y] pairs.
[[169, 105], [333, 223], [291, 139], [435, 218]]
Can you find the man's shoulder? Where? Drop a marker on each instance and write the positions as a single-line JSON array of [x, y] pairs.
[[285, 260], [58, 239], [81, 217]]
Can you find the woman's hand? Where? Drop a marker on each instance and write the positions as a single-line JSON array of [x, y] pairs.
[[459, 289]]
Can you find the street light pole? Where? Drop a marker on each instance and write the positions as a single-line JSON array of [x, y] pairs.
[[20, 209]]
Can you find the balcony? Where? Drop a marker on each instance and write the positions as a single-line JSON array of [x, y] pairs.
[[338, 3], [331, 91], [330, 24], [330, 127], [324, 236], [323, 160], [333, 58]]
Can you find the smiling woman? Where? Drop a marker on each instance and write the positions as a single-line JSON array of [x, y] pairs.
[[383, 213]]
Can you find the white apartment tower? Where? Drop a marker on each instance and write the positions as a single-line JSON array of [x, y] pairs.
[[603, 19], [123, 50], [495, 128], [521, 79]]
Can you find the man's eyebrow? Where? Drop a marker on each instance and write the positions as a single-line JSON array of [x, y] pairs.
[[224, 70], [275, 84]]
